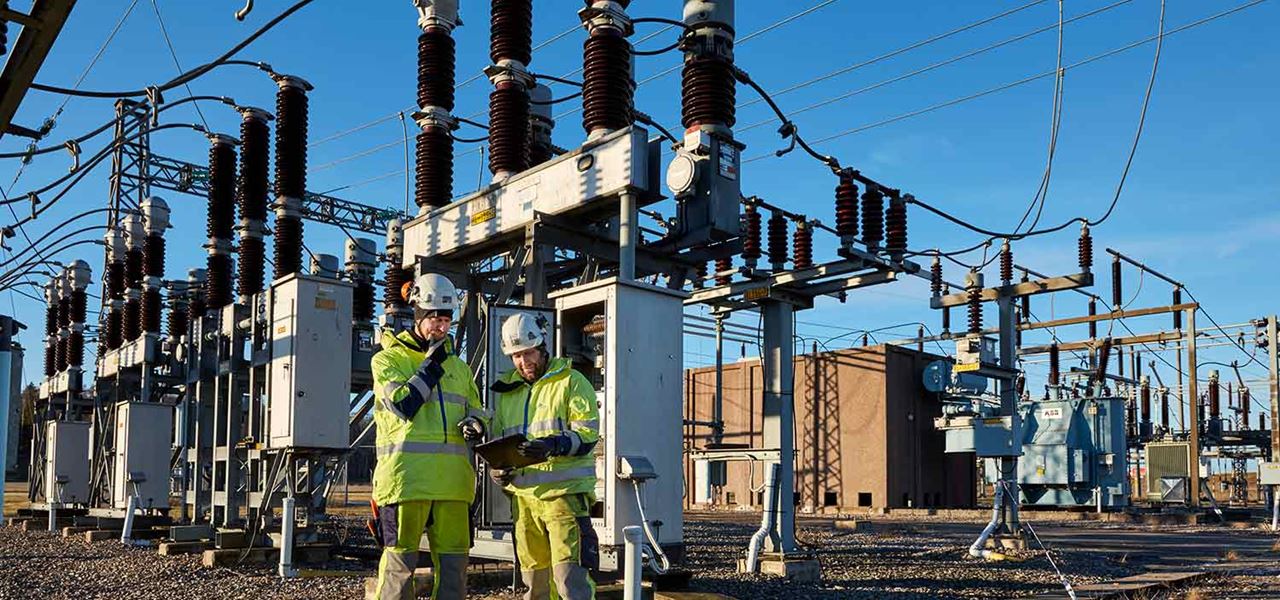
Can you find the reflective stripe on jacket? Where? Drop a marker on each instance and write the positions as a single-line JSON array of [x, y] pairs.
[[562, 401], [424, 458]]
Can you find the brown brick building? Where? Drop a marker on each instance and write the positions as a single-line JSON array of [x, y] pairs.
[[864, 434]]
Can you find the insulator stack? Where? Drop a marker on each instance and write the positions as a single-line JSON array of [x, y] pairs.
[[511, 50], [935, 277], [1215, 396], [433, 175], [153, 256], [77, 278], [221, 215], [253, 255], [360, 259], [1093, 325], [608, 86], [541, 125], [436, 67], [135, 273], [1084, 250], [700, 276], [802, 243], [134, 267], [1177, 314], [437, 52], [708, 87], [64, 311], [1144, 393], [724, 265], [60, 357], [946, 313], [1006, 263], [221, 219], [50, 327], [131, 321], [751, 241], [1245, 401], [1117, 293], [1055, 362], [75, 350], [1025, 301], [252, 193], [217, 287], [179, 316], [79, 306], [846, 209], [975, 309], [895, 225], [872, 217], [511, 31], [1164, 406], [395, 279], [288, 235], [777, 241], [290, 176], [508, 139], [112, 335], [291, 137], [151, 308]]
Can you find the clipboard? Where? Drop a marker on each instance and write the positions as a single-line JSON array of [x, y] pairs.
[[502, 453]]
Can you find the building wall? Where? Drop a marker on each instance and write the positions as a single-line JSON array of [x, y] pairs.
[[864, 434]]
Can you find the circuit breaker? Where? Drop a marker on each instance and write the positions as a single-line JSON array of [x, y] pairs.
[[619, 334], [66, 460], [143, 442], [310, 369]]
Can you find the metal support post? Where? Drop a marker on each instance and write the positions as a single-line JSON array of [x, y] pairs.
[[1009, 407], [6, 364], [717, 403], [1193, 396], [286, 536], [633, 537], [779, 414], [1273, 388], [627, 238]]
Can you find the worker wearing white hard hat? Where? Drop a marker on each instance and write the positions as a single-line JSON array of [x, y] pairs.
[[427, 410], [554, 406]]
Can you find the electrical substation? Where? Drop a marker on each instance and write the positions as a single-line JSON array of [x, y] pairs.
[[204, 400]]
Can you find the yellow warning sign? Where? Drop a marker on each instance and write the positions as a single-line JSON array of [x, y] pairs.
[[485, 215], [965, 368]]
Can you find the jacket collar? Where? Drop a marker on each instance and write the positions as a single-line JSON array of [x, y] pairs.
[[407, 340], [557, 367]]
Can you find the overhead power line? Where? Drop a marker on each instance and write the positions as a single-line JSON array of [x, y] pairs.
[[902, 50]]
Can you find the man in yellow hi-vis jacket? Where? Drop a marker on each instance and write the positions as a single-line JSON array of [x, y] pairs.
[[554, 406], [427, 407]]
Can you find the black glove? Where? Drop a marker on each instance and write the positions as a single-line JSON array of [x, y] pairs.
[[430, 372], [472, 429], [543, 448], [439, 355]]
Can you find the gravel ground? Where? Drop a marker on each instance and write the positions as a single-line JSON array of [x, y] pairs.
[[901, 561], [889, 562]]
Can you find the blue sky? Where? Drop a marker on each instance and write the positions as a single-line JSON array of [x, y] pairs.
[[1200, 202]]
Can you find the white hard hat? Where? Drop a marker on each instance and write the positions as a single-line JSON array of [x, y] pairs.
[[431, 291], [521, 332]]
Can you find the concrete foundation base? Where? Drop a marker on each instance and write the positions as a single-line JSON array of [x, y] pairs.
[[1006, 542], [794, 568]]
